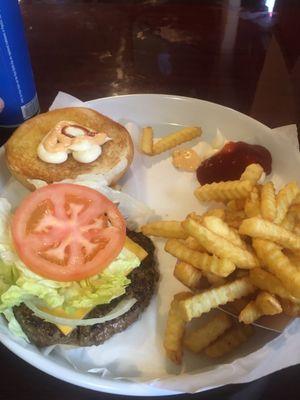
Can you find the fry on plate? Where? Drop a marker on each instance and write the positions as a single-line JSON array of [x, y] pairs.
[[203, 261], [215, 212], [264, 280], [279, 264], [174, 139], [284, 200], [219, 246], [193, 244], [234, 218], [268, 303], [165, 229], [268, 202], [297, 229], [219, 227], [199, 339], [260, 228], [188, 275], [250, 313], [174, 331], [264, 304], [203, 302], [294, 258], [289, 222], [229, 341], [296, 200], [224, 191], [235, 205], [252, 203], [147, 140], [253, 172]]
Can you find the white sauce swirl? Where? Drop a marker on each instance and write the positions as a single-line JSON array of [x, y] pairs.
[[67, 137]]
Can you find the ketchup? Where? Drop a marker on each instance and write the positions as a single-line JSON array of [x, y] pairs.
[[229, 163]]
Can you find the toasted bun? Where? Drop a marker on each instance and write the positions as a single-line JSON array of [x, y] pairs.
[[21, 148]]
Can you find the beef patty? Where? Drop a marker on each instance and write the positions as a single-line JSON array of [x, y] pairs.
[[142, 286]]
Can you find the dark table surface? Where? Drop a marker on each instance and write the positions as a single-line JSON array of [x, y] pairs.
[[239, 53]]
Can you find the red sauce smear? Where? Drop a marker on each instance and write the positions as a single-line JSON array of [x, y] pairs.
[[229, 163]]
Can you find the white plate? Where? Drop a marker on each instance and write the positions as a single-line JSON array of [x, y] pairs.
[[163, 112]]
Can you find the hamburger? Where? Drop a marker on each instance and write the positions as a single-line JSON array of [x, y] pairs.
[[71, 272], [68, 142]]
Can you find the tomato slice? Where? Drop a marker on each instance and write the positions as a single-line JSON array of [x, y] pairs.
[[67, 232]]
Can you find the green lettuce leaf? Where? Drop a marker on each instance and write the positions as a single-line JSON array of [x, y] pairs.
[[14, 326], [99, 289]]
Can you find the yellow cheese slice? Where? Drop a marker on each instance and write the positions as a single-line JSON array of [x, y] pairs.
[[60, 312], [135, 248], [82, 312]]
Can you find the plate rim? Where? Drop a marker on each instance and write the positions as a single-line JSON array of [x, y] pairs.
[[181, 98]]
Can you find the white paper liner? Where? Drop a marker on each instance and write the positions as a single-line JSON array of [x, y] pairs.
[[137, 354]]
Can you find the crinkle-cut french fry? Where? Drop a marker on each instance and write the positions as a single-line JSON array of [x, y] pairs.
[[213, 279], [188, 275], [250, 313], [297, 229], [294, 258], [219, 246], [216, 212], [174, 139], [289, 308], [268, 303], [252, 173], [264, 304], [229, 341], [252, 203], [284, 199], [234, 218], [195, 217], [262, 229], [199, 339], [236, 205], [219, 227], [224, 191], [166, 229], [193, 244], [203, 302], [203, 261], [296, 200], [264, 280], [289, 221], [268, 202], [295, 210], [175, 328], [146, 143], [279, 264]]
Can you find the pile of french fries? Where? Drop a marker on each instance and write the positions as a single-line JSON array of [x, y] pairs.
[[246, 252]]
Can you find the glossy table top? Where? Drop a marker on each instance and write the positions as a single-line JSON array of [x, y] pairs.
[[242, 54]]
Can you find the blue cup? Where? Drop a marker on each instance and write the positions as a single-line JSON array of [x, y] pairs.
[[18, 98]]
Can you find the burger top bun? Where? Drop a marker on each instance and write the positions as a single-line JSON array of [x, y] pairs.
[[24, 162]]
